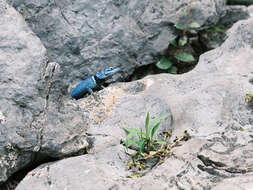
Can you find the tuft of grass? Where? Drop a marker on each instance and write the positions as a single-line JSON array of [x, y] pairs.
[[150, 151], [249, 98], [146, 141]]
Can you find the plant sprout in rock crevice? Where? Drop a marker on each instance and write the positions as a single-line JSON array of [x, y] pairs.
[[149, 151], [146, 141], [249, 98], [183, 52], [179, 54]]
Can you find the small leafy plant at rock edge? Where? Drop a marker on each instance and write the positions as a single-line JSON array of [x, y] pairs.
[[149, 151], [169, 63], [249, 98], [146, 141]]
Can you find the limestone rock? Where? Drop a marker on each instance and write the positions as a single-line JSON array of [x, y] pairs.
[[21, 58], [30, 122], [208, 102], [85, 37]]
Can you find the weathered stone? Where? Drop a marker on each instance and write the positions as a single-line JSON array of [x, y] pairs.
[[122, 106], [208, 102], [233, 14], [109, 164], [30, 120], [85, 37], [21, 58], [250, 10], [214, 36], [240, 2]]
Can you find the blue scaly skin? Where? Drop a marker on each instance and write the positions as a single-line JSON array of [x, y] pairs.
[[95, 81]]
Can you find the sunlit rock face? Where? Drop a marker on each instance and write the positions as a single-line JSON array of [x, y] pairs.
[[85, 37], [208, 102]]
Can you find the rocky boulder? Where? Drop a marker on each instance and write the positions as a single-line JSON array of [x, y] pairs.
[[22, 58], [208, 102], [85, 37], [26, 78], [38, 120]]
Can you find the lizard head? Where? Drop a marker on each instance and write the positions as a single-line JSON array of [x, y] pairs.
[[107, 73]]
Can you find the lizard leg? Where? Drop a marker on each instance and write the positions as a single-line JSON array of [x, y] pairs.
[[101, 86], [90, 90], [93, 94]]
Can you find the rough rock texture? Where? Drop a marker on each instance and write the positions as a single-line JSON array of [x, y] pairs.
[[216, 35], [233, 14], [30, 124], [85, 37], [21, 59], [250, 10], [37, 118], [209, 102]]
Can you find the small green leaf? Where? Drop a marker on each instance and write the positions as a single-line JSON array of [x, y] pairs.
[[158, 119], [173, 70], [179, 26], [152, 153], [173, 42], [164, 64], [182, 41], [129, 143], [131, 130], [218, 28], [194, 25], [131, 133], [147, 126], [155, 128], [184, 57], [160, 142], [136, 175], [183, 13], [141, 144], [130, 136], [195, 5], [140, 135]]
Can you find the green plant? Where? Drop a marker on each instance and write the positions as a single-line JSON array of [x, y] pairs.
[[217, 28], [148, 150], [169, 63], [249, 98], [145, 142], [184, 28], [166, 64], [184, 57], [140, 164]]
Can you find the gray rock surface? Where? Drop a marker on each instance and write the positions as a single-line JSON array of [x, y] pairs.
[[21, 58], [250, 10], [31, 124], [233, 14], [37, 118], [208, 102], [216, 35], [85, 37]]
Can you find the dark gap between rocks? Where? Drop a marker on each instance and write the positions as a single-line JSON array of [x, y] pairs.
[[199, 42], [14, 180], [240, 2], [38, 160]]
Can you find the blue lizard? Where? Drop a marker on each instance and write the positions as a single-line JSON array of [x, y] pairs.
[[93, 82]]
